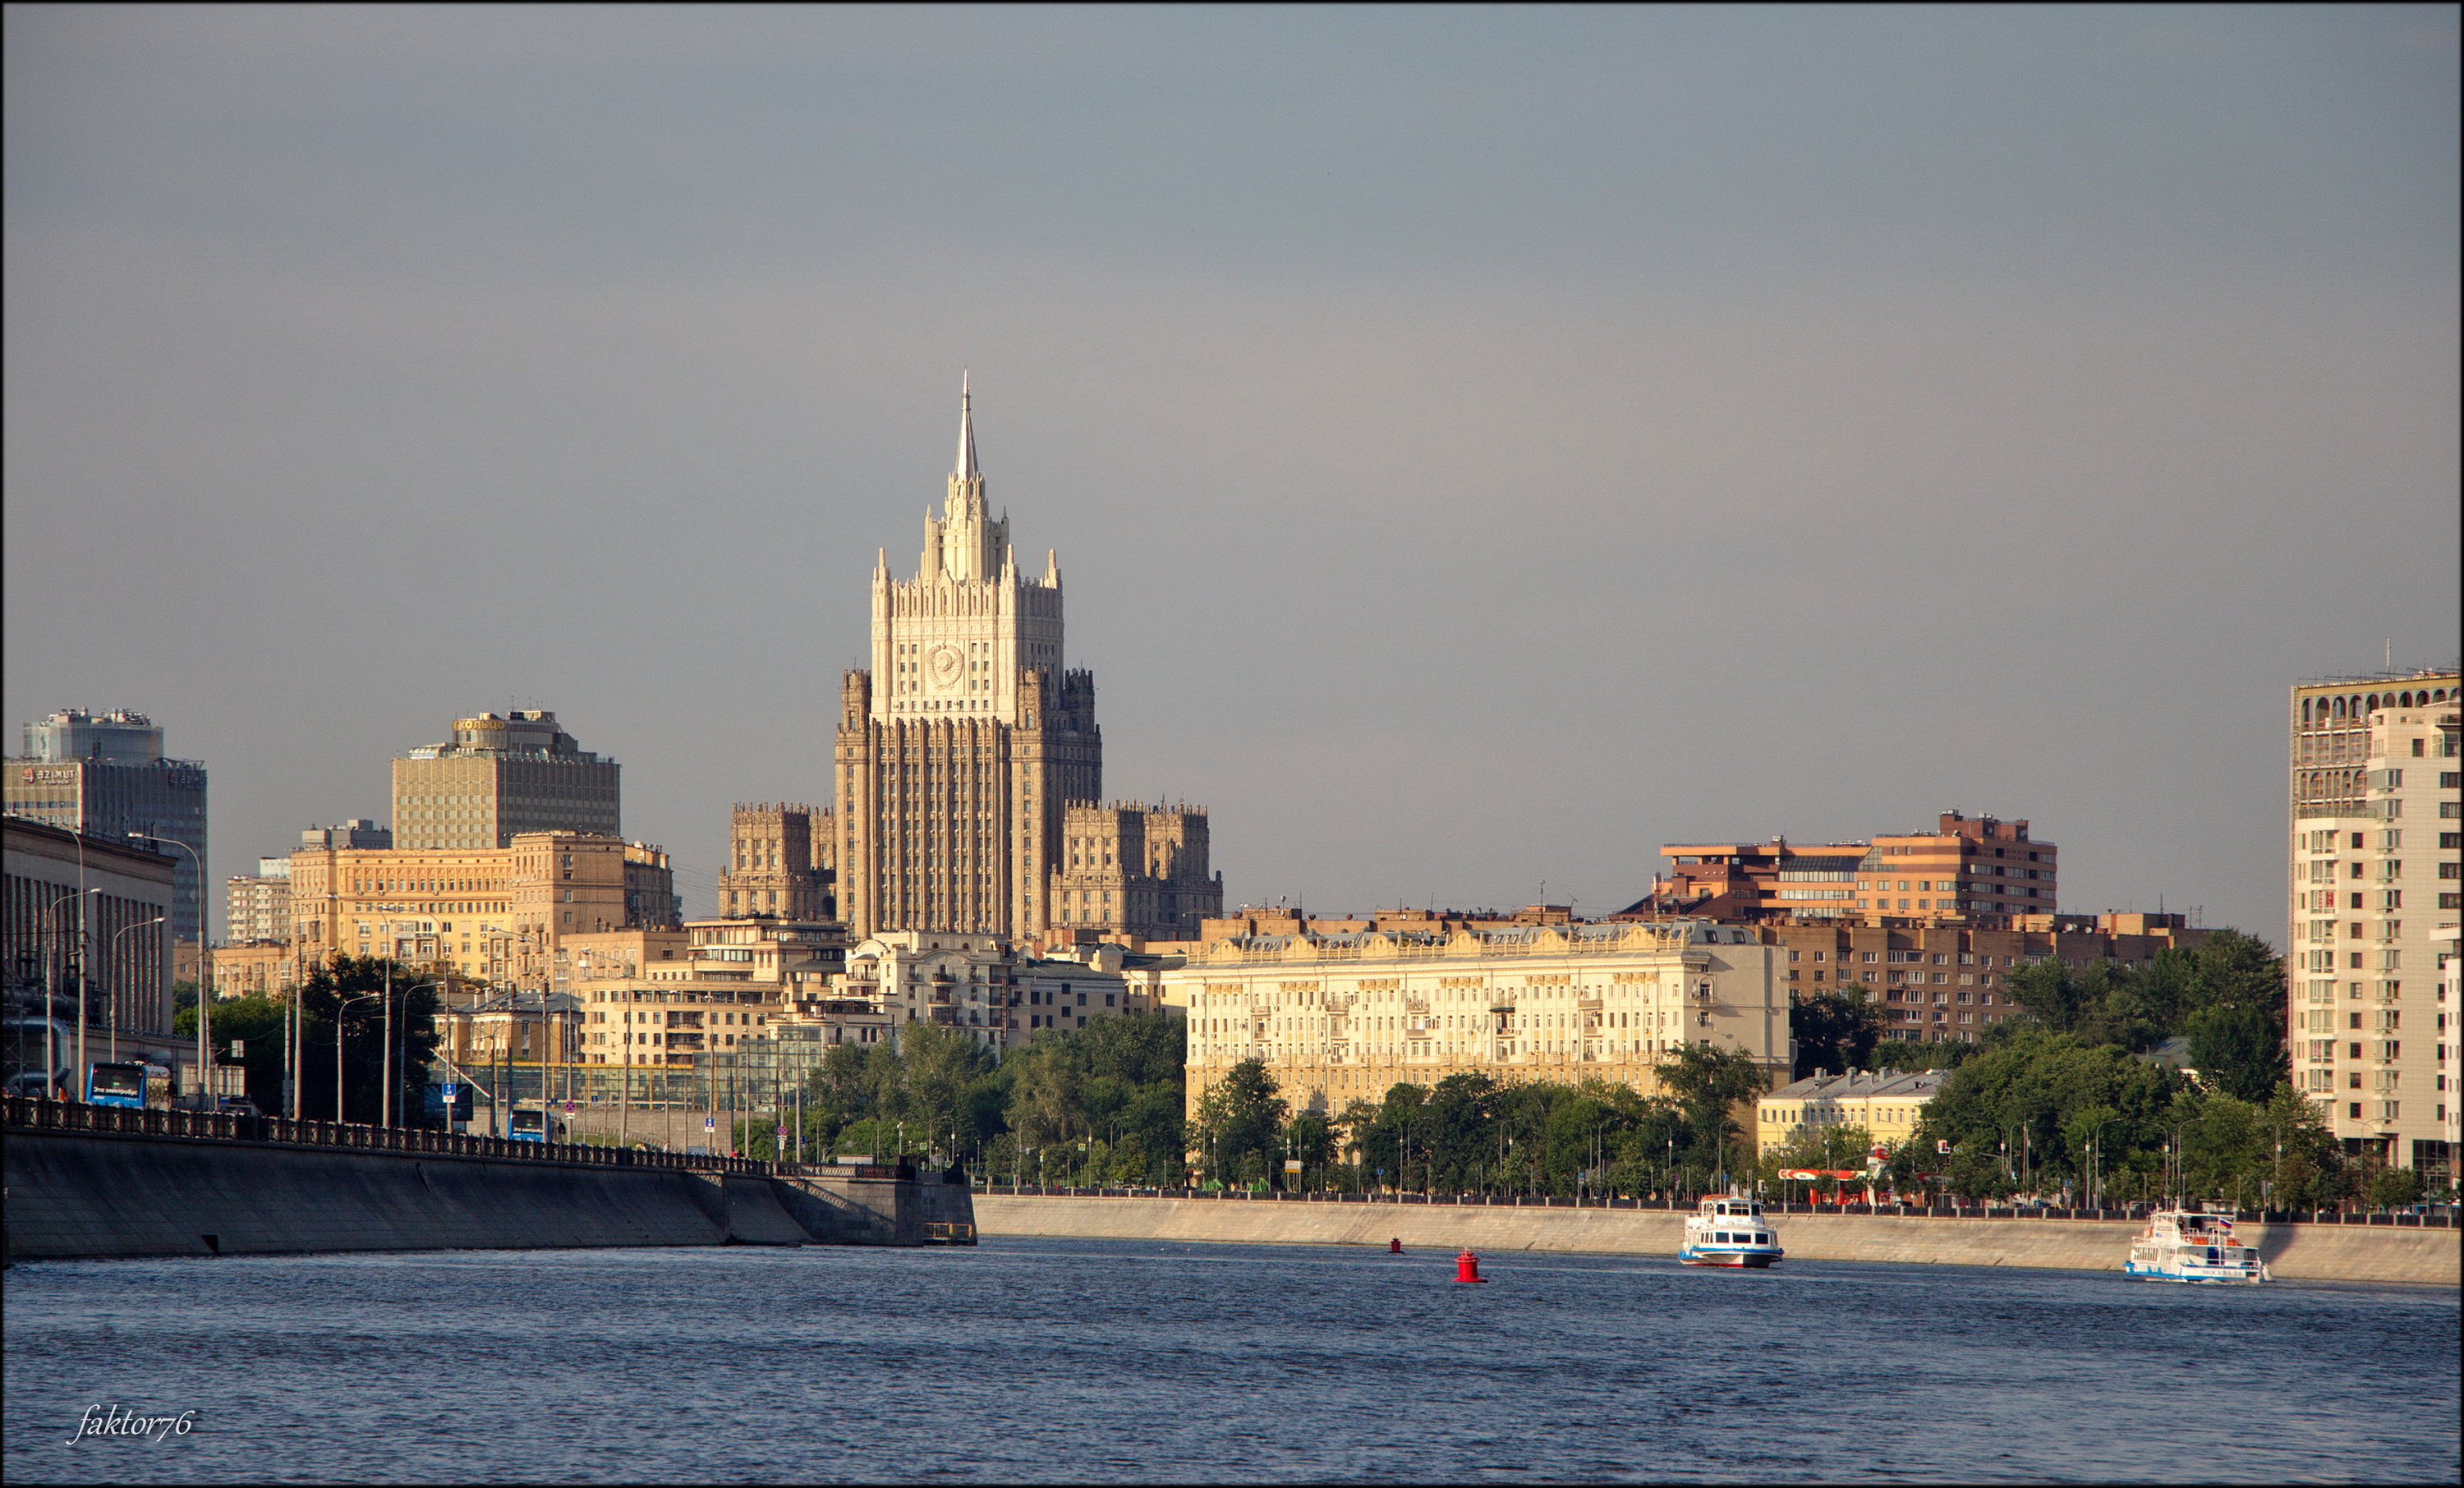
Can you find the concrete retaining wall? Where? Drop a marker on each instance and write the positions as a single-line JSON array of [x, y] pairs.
[[86, 1194], [2351, 1253]]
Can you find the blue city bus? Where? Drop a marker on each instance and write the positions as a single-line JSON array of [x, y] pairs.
[[136, 1085], [528, 1126]]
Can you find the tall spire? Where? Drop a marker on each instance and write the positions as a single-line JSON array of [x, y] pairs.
[[965, 470]]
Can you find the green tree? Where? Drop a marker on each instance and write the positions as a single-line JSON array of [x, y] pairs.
[[2018, 1109], [1309, 1141], [939, 1069], [259, 1023], [1460, 1133], [1922, 1053], [2395, 1187], [2235, 1021], [1832, 1031], [1117, 1081], [352, 989], [1241, 1119], [1710, 1085]]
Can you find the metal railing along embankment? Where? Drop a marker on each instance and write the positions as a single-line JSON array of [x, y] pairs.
[[35, 1114]]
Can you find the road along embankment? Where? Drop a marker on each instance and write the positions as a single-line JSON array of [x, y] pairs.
[[2320, 1252], [90, 1195]]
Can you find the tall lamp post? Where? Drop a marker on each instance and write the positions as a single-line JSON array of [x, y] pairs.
[[2096, 1151], [396, 1068], [204, 1048], [112, 995], [341, 1012], [51, 995]]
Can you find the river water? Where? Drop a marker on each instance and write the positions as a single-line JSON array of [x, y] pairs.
[[1130, 1361]]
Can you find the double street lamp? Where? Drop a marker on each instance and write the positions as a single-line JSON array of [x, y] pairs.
[[206, 1101], [342, 1010], [112, 993], [51, 992]]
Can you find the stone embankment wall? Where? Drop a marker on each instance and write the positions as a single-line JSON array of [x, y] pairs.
[[2349, 1253], [76, 1195]]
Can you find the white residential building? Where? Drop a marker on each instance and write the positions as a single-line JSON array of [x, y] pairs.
[[2377, 841]]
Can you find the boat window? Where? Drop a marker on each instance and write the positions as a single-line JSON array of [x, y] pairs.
[[1721, 1238]]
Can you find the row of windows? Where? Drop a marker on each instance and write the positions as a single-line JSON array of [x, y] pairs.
[[2322, 709]]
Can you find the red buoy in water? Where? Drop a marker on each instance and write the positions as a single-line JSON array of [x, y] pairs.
[[1394, 1247], [1467, 1268]]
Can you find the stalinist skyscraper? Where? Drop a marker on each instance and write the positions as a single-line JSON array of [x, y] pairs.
[[959, 752]]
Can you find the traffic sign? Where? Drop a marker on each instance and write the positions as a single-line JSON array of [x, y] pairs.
[[710, 1123]]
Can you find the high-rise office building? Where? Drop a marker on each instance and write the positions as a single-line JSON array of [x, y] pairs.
[[498, 777], [960, 751], [2376, 871], [105, 775], [777, 863]]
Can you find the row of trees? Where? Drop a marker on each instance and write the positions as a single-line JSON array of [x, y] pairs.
[[348, 993], [1095, 1106], [1469, 1133], [2224, 998]]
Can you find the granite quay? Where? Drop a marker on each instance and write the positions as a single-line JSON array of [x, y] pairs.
[[2413, 1249], [89, 1182]]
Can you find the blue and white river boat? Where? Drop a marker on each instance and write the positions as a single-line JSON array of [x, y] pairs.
[[2187, 1245], [1730, 1231]]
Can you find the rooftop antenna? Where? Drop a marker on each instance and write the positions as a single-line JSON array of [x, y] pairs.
[[2391, 653]]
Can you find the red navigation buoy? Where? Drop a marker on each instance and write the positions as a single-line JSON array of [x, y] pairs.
[[1394, 1247], [1467, 1268]]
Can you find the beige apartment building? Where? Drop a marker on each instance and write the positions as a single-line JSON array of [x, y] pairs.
[[1342, 1017], [1948, 982], [496, 778], [2377, 878], [1889, 1104], [257, 969], [258, 907], [494, 914], [1981, 872]]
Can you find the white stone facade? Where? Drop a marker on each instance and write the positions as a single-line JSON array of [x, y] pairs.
[[1344, 1017]]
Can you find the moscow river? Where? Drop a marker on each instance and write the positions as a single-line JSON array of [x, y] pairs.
[[1112, 1360]]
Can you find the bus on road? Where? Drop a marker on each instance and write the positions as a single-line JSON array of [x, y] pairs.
[[136, 1085]]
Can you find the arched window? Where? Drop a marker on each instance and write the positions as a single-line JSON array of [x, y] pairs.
[[2305, 709], [2339, 707]]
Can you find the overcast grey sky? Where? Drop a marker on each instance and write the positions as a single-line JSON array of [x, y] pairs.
[[1483, 444]]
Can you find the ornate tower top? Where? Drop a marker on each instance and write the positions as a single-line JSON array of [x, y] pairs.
[[963, 543]]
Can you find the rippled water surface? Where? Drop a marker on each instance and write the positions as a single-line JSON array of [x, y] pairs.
[[1065, 1360]]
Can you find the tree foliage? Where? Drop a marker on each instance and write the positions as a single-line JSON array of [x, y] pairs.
[[1095, 1106], [1832, 1031], [2043, 1111], [1241, 1127], [354, 990]]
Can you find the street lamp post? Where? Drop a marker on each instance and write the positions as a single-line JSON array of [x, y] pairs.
[[2096, 1152], [205, 1047], [112, 995], [391, 1066], [342, 1008], [50, 996]]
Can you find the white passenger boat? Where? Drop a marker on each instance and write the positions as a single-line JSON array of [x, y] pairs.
[[1730, 1231], [2192, 1245]]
